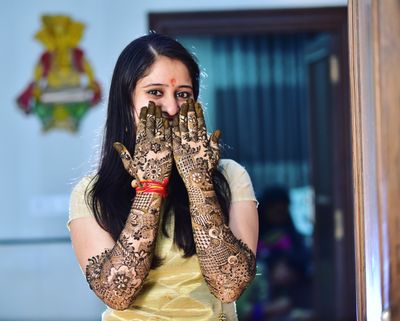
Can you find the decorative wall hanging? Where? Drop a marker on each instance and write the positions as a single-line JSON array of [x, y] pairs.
[[63, 87]]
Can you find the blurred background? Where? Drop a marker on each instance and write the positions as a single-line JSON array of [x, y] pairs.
[[274, 80]]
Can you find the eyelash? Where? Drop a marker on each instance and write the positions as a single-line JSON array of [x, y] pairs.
[[181, 94], [154, 92]]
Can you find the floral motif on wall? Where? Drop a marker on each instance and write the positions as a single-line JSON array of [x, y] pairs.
[[64, 87]]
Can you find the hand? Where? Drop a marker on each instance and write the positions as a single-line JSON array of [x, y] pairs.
[[153, 152], [196, 155]]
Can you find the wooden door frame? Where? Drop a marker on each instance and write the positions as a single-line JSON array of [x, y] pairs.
[[364, 166], [236, 22], [328, 19], [374, 49]]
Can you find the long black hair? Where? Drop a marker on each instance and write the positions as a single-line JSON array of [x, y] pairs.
[[111, 194]]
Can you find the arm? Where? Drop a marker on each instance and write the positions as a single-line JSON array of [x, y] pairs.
[[227, 263], [117, 274]]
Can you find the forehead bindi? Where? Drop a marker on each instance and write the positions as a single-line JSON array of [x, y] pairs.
[[167, 72]]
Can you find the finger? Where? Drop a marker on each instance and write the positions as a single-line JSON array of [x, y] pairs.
[[215, 136], [201, 123], [214, 142], [159, 130], [141, 126], [125, 157], [176, 133], [167, 133], [151, 120], [192, 121], [183, 122]]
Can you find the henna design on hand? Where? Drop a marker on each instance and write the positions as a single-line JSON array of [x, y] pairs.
[[228, 265], [196, 155], [153, 152], [117, 274]]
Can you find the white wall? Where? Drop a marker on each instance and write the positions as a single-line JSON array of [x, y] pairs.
[[37, 170]]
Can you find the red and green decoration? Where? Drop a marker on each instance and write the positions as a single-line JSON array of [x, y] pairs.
[[63, 87]]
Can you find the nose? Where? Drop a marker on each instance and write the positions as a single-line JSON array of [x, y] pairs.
[[169, 106]]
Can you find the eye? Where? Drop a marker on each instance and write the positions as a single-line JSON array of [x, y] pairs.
[[154, 92], [184, 94]]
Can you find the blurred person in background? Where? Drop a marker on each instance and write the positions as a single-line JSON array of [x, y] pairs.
[[282, 290]]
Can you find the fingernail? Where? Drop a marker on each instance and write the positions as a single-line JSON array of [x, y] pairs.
[[118, 146], [191, 106], [216, 135], [199, 109], [166, 123], [184, 109], [151, 108], [143, 112]]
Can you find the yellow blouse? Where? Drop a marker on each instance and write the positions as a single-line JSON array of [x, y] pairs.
[[176, 290]]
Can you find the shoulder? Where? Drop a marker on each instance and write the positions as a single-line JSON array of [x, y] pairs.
[[238, 179], [229, 167], [78, 205], [82, 185], [243, 216]]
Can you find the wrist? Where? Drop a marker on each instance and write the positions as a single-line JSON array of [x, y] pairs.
[[143, 201], [151, 186]]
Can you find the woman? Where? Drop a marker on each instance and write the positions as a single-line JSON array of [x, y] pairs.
[[160, 235]]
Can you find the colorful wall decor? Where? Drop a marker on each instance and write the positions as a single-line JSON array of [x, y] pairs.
[[64, 87]]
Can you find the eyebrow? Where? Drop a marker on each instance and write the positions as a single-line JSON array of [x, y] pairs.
[[165, 85]]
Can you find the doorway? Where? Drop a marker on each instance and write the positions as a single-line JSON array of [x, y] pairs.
[[293, 131]]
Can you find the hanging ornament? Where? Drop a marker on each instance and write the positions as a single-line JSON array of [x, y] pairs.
[[63, 87]]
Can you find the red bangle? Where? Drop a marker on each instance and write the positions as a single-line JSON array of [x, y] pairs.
[[153, 187]]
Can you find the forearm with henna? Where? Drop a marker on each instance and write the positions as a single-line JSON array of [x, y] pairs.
[[117, 274], [227, 263]]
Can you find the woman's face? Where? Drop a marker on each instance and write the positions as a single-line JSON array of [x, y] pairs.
[[167, 84]]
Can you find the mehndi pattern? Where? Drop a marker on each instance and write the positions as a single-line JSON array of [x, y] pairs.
[[117, 274], [228, 265]]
